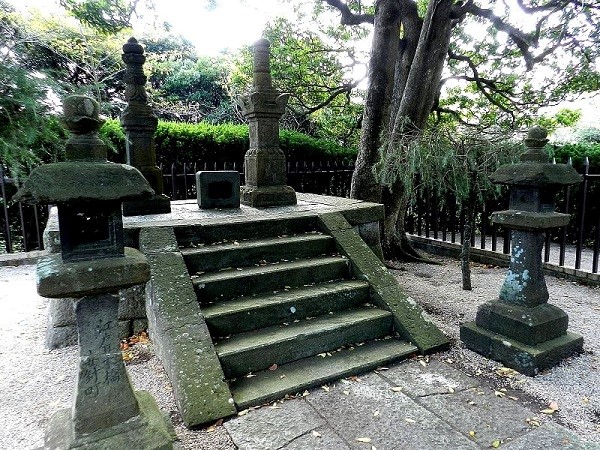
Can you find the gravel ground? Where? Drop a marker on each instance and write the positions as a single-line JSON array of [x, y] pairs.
[[36, 382]]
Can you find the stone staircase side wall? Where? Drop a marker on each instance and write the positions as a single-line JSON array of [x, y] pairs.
[[409, 319], [179, 332]]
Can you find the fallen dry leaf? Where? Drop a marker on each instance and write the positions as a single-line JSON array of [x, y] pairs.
[[553, 405], [273, 367], [496, 443], [472, 434], [506, 372]]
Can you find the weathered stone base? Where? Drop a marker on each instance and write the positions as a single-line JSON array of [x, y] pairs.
[[148, 431], [530, 326], [527, 359], [262, 196], [157, 204]]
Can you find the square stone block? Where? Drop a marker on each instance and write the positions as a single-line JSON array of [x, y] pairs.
[[527, 359], [530, 326], [218, 189]]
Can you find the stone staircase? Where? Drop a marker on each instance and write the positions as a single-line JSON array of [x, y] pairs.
[[284, 308]]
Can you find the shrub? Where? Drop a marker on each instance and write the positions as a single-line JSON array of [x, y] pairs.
[[178, 143]]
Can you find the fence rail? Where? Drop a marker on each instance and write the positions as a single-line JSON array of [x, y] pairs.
[[22, 225], [576, 245]]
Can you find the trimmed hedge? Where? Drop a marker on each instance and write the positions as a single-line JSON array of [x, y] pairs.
[[178, 143], [578, 152]]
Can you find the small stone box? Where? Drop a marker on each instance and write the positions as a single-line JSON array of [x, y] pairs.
[[218, 189]]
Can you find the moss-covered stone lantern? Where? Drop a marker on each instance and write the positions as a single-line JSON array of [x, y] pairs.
[[520, 328], [93, 266]]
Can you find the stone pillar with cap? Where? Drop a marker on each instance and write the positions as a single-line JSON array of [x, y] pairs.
[[520, 328], [93, 266], [139, 121], [265, 166]]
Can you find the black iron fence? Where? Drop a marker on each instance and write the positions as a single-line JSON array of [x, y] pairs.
[[22, 225], [430, 215], [577, 245], [326, 177]]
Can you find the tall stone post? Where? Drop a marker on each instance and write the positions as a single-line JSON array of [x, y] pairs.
[[93, 266], [520, 328], [139, 122], [265, 167]]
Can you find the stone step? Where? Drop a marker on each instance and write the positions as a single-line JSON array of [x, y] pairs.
[[256, 350], [244, 228], [297, 376], [249, 252], [231, 283], [250, 313]]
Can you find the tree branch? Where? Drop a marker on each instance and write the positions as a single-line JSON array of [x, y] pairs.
[[348, 17]]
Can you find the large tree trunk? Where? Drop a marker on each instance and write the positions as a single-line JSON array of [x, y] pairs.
[[384, 51], [413, 109]]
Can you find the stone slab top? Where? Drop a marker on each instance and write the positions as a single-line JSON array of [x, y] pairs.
[[528, 220], [187, 212], [56, 279], [83, 181]]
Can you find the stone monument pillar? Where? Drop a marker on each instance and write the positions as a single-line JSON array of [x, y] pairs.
[[265, 167], [520, 328], [139, 122], [93, 266]]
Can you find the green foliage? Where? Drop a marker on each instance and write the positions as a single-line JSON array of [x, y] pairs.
[[316, 71], [178, 143], [29, 134], [446, 159], [578, 152], [188, 88], [563, 118], [106, 16]]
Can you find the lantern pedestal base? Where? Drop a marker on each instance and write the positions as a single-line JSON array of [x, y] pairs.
[[263, 196], [527, 359], [150, 430]]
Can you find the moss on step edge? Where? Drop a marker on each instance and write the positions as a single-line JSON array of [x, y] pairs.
[[410, 321]]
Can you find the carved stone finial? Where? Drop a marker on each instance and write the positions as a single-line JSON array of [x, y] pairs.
[[82, 118], [132, 46], [81, 114], [262, 68], [536, 138]]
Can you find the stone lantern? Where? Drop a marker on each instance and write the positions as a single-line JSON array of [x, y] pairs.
[[265, 168], [520, 328], [93, 266]]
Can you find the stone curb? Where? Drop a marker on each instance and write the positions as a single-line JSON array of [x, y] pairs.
[[452, 250]]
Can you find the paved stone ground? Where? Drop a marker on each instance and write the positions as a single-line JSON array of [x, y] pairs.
[[455, 399], [420, 404]]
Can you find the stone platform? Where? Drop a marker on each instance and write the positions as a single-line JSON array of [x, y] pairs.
[[248, 273]]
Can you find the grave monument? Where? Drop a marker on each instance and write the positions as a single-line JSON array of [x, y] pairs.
[[265, 168], [139, 122]]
